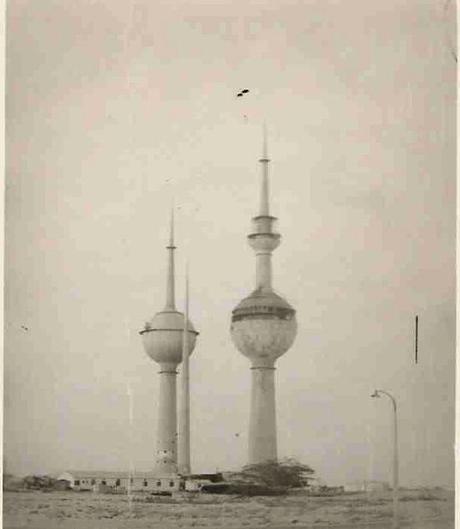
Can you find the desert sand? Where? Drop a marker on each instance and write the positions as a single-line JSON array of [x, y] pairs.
[[73, 510]]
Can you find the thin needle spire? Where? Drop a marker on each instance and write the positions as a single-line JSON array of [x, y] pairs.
[[170, 287], [186, 296], [264, 191], [264, 148], [171, 227]]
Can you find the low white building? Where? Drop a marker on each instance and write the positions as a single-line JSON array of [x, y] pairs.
[[120, 481]]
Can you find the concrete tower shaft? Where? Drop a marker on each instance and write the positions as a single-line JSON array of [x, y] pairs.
[[263, 328], [262, 420], [162, 337]]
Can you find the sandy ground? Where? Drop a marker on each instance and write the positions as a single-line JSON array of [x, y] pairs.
[[73, 510]]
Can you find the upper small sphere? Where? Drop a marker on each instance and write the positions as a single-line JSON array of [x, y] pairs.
[[162, 337], [263, 326]]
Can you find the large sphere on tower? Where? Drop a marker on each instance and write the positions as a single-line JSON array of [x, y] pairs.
[[162, 337], [263, 326]]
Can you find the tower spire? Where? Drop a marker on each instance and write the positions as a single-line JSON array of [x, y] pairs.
[[171, 227], [263, 239], [170, 290], [264, 148], [264, 191]]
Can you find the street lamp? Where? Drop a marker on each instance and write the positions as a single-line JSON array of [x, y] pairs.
[[377, 393]]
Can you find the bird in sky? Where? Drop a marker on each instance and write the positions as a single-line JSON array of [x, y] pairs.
[[24, 328], [240, 94]]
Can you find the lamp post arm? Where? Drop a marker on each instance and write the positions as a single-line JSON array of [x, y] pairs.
[[393, 400]]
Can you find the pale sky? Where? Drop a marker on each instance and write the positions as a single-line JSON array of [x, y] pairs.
[[116, 108]]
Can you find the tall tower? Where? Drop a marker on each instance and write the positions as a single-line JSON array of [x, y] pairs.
[[263, 328], [162, 337]]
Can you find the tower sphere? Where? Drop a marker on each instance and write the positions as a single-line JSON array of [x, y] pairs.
[[263, 326], [162, 337]]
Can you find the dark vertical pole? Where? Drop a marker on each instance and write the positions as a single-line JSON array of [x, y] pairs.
[[416, 339]]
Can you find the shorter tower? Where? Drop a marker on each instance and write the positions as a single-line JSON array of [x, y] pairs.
[[263, 328], [162, 338]]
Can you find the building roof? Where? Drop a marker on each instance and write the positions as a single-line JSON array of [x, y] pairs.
[[107, 474]]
